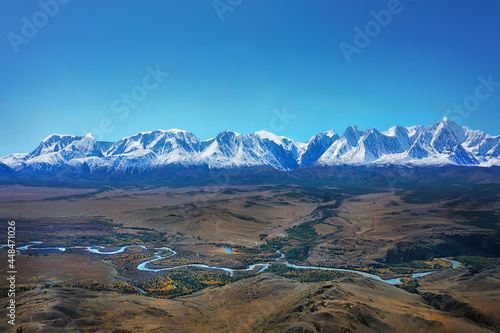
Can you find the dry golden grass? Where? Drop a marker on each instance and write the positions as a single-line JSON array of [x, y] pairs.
[[61, 268], [261, 304], [367, 226]]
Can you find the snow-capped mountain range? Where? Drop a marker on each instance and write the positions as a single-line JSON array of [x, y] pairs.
[[444, 143]]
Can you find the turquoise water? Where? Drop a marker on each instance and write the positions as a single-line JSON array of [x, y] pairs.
[[159, 255], [398, 280], [454, 263]]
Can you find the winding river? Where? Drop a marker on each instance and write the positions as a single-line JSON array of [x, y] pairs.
[[159, 255]]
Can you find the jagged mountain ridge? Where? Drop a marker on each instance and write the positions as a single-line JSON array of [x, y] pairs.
[[444, 143]]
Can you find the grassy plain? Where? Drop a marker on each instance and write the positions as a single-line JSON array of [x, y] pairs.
[[387, 232]]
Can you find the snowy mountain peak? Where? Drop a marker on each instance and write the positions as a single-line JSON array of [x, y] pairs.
[[270, 136], [176, 130], [55, 137], [57, 142], [396, 131], [352, 135], [283, 141], [316, 146], [330, 133], [227, 134], [443, 143]]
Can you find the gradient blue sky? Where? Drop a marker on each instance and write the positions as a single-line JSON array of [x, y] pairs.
[[232, 74]]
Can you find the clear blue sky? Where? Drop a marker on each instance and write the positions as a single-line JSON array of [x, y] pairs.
[[70, 76]]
